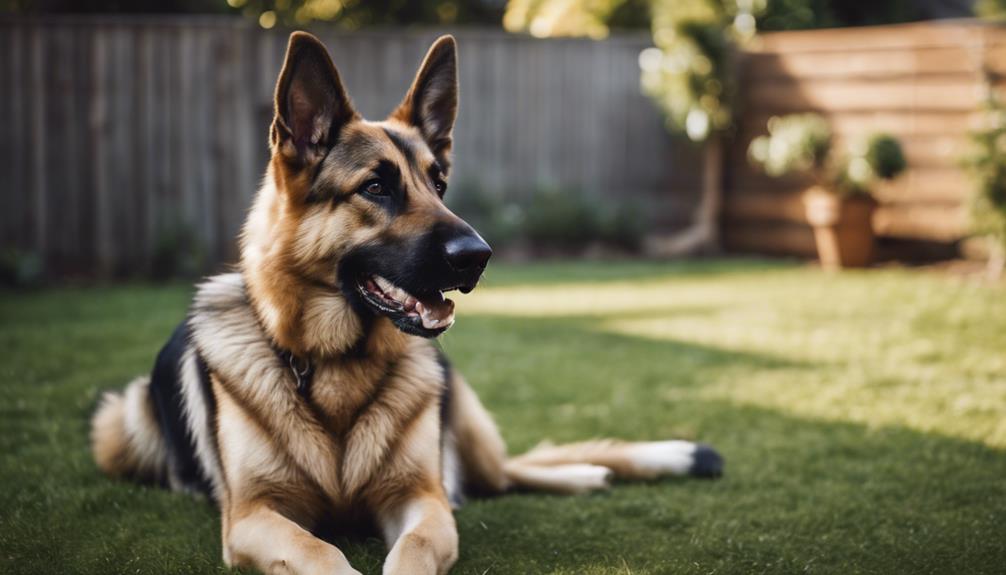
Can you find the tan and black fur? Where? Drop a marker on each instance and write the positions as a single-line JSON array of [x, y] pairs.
[[300, 392]]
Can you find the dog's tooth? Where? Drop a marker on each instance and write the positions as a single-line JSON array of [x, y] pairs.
[[440, 315], [400, 295], [385, 284], [426, 314], [446, 321], [389, 288]]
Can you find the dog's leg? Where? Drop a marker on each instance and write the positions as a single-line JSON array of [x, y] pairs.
[[422, 536], [571, 468], [260, 537], [627, 459], [485, 467], [479, 444]]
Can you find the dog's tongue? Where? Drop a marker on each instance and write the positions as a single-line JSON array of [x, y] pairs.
[[436, 312]]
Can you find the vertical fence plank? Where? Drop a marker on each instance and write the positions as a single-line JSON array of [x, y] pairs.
[[122, 164], [40, 190], [17, 126], [146, 140], [8, 203], [81, 95], [97, 129]]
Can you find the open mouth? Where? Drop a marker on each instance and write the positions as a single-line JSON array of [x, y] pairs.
[[426, 315]]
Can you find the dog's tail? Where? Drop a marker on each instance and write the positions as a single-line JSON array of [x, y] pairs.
[[125, 438], [570, 468]]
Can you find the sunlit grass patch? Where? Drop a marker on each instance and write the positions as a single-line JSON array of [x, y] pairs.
[[877, 348]]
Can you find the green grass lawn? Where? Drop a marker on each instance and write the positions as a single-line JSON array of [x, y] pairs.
[[862, 417]]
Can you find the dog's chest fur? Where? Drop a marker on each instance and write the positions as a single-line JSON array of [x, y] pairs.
[[368, 420], [374, 409]]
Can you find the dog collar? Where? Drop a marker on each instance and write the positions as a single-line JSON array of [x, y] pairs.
[[302, 369]]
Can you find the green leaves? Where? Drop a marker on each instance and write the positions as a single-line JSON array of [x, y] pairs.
[[885, 157], [795, 143], [802, 143], [987, 164]]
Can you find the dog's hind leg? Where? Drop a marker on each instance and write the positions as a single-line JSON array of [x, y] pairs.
[[629, 460], [571, 468], [485, 468], [479, 445]]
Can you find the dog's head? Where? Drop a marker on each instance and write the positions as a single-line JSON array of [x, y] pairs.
[[358, 205]]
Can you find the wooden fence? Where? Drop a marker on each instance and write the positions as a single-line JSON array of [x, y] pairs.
[[118, 134], [919, 82]]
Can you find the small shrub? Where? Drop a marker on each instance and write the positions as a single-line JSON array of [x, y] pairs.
[[885, 157], [19, 268], [497, 220], [561, 219], [625, 226], [551, 220], [177, 253]]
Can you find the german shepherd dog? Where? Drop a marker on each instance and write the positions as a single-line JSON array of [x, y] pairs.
[[304, 389]]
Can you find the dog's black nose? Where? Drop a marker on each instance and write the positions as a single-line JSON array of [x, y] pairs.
[[467, 252]]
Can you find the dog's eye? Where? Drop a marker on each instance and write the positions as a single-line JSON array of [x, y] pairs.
[[374, 188], [441, 186]]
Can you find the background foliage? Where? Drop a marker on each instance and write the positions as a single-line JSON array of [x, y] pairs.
[[552, 221], [802, 143], [346, 13], [987, 164], [689, 73], [577, 17], [992, 9]]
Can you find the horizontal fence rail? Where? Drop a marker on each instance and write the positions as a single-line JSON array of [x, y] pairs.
[[121, 138], [922, 83]]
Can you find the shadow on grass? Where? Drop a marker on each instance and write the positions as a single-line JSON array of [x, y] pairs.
[[798, 496]]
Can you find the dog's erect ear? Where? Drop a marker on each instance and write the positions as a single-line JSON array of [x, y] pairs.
[[311, 104], [432, 102]]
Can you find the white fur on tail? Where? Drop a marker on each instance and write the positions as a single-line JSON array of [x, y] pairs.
[[656, 458]]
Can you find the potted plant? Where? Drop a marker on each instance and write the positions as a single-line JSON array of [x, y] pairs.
[[839, 204]]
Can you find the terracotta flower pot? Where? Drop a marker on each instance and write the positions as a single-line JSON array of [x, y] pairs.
[[843, 228]]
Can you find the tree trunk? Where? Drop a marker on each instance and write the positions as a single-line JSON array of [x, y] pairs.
[[703, 235]]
